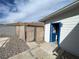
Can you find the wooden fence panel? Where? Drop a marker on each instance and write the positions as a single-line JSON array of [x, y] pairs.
[[30, 34], [39, 34]]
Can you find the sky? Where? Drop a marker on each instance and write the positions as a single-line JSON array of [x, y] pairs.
[[12, 11]]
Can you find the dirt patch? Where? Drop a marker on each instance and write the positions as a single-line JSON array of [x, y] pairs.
[[13, 47]]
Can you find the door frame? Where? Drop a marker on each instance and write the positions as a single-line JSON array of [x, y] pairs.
[[59, 30]]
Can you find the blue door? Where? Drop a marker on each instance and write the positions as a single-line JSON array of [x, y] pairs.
[[55, 32], [52, 33]]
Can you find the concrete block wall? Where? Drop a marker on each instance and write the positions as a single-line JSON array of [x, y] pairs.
[[9, 31]]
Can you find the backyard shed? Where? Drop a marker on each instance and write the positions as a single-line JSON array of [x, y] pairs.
[[30, 31], [62, 27]]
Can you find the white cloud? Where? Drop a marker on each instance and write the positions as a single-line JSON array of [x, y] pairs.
[[32, 10]]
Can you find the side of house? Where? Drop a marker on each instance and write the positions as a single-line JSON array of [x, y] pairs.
[[68, 30]]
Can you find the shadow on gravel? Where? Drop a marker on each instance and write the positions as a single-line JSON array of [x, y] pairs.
[[13, 47]]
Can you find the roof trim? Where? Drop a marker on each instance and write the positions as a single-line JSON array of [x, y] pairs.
[[70, 6], [35, 24]]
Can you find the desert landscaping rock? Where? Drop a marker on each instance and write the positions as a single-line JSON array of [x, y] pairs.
[[19, 49]]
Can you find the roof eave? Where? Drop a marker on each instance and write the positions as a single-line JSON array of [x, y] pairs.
[[68, 7]]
